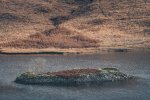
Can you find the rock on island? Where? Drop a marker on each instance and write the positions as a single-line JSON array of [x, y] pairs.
[[74, 77]]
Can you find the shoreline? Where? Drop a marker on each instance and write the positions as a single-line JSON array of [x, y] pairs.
[[74, 51]]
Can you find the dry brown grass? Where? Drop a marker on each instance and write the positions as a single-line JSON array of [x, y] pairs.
[[56, 39], [43, 24], [74, 72]]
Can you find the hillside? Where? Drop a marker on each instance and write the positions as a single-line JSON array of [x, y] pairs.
[[52, 25]]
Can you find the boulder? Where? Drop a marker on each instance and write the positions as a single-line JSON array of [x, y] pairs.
[[74, 77]]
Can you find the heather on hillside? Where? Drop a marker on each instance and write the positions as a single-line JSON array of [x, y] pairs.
[[46, 24]]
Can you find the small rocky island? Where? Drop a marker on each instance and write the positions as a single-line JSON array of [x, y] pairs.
[[74, 77]]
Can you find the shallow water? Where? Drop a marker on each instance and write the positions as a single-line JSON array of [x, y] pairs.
[[134, 63]]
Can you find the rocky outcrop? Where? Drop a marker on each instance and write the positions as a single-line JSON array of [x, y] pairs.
[[74, 77]]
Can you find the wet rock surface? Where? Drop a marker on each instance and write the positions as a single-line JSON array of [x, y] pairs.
[[74, 77]]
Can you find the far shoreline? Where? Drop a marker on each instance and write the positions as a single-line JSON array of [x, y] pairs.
[[72, 51]]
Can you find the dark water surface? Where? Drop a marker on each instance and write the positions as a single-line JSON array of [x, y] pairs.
[[134, 63]]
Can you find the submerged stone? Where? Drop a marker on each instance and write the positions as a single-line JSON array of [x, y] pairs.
[[74, 77]]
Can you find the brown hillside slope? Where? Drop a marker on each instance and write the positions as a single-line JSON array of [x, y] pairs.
[[64, 24]]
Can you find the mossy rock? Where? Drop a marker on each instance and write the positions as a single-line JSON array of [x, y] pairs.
[[74, 76]]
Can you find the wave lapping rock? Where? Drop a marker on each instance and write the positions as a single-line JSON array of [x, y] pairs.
[[74, 76]]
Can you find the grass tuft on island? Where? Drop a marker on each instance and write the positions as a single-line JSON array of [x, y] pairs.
[[74, 77]]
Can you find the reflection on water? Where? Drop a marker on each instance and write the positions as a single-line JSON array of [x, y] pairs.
[[134, 63]]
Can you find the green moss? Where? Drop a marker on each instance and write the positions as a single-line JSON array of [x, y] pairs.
[[110, 69], [28, 75]]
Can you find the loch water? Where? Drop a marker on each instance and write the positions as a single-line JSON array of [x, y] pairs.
[[133, 63]]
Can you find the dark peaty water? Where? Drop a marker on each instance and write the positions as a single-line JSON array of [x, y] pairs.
[[134, 63]]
